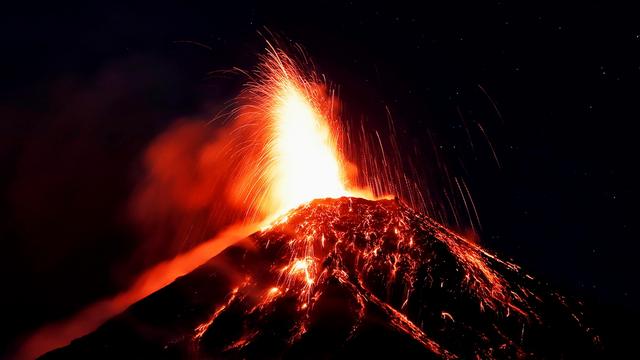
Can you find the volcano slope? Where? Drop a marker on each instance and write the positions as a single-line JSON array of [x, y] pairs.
[[347, 278]]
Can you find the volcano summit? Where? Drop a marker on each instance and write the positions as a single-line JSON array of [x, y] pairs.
[[346, 277]]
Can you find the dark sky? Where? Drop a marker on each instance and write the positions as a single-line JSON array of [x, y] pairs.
[[554, 89]]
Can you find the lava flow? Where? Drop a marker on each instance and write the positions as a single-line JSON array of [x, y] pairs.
[[346, 277], [336, 271]]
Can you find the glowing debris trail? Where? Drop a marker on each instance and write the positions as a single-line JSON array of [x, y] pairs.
[[282, 157], [280, 150], [295, 137], [60, 334], [383, 256], [305, 163], [347, 278]]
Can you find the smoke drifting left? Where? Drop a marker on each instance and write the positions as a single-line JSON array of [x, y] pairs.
[[199, 178], [179, 201], [74, 152]]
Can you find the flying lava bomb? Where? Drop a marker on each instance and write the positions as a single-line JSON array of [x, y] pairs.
[[330, 259]]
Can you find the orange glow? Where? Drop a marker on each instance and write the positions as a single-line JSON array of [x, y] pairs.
[[302, 267], [273, 290], [306, 165], [60, 334], [280, 147], [278, 150], [287, 121]]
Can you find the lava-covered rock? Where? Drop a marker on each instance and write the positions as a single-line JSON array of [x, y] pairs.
[[348, 277]]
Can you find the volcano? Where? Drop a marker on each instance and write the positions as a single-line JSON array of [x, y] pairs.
[[347, 278]]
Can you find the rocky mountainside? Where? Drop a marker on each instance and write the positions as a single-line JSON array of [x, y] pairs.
[[348, 277]]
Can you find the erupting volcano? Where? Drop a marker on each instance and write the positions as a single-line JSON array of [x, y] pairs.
[[345, 277], [337, 268]]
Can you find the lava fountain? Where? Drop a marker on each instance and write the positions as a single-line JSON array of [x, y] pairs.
[[300, 160], [316, 264], [278, 150]]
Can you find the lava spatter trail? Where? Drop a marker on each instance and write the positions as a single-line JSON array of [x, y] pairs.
[[346, 277], [278, 148], [341, 269]]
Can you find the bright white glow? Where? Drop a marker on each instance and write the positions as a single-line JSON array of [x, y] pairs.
[[303, 151]]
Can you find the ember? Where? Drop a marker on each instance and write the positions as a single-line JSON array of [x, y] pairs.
[[347, 276], [336, 268]]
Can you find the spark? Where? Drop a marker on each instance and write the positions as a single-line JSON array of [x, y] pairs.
[[287, 165], [313, 247]]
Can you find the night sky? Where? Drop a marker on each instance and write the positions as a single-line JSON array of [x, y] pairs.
[[555, 90]]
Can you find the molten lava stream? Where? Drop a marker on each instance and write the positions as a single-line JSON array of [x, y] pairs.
[[284, 153], [325, 261]]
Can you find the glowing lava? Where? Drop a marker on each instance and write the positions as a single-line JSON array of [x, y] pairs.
[[303, 150], [278, 149], [332, 266], [284, 147], [346, 278]]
